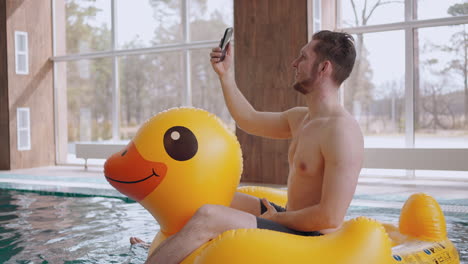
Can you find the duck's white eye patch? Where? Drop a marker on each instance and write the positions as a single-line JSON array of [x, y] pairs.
[[175, 135]]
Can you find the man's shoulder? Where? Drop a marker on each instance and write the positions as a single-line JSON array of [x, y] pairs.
[[340, 127], [343, 141], [342, 121], [298, 110], [296, 114]]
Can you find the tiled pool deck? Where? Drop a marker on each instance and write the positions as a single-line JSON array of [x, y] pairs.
[[373, 192]]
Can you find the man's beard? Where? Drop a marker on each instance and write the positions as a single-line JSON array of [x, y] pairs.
[[305, 86]]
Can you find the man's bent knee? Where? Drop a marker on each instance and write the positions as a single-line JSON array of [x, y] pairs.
[[207, 212], [218, 218], [207, 217]]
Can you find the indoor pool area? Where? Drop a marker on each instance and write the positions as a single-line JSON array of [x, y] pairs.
[[72, 215], [47, 228], [234, 131]]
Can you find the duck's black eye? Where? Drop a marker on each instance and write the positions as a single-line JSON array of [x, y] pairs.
[[180, 143]]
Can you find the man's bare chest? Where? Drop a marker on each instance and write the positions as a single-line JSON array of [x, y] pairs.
[[304, 155]]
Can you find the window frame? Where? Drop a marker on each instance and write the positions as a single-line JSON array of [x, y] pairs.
[[384, 155], [23, 112], [185, 47], [25, 53]]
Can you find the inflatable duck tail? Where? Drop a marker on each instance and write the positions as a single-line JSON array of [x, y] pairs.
[[422, 218]]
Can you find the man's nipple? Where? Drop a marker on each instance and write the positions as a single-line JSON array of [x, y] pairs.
[[302, 166]]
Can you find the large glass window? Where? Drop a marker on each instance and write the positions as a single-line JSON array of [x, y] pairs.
[[409, 85], [427, 9], [148, 23], [442, 95], [206, 93], [149, 84], [88, 102], [89, 89], [209, 18], [357, 13], [127, 60], [374, 93], [88, 25]]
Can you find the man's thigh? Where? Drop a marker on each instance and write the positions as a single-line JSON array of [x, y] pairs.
[[215, 219], [246, 203]]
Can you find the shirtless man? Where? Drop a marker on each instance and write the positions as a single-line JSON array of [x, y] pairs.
[[325, 156]]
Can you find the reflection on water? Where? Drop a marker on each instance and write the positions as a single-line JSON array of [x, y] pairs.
[[51, 229]]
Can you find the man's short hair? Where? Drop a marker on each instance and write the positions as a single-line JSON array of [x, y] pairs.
[[338, 48]]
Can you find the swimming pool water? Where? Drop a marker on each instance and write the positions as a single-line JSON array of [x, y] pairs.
[[37, 228]]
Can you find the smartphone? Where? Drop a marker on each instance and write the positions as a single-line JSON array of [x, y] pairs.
[[225, 40]]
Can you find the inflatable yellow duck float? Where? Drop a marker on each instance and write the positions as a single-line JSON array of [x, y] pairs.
[[184, 158]]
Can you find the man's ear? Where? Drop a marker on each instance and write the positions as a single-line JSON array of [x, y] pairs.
[[326, 67]]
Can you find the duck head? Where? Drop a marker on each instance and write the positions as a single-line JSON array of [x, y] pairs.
[[178, 161]]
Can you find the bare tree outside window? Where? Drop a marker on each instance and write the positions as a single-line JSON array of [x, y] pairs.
[[443, 91], [374, 92], [148, 83], [459, 46], [89, 82]]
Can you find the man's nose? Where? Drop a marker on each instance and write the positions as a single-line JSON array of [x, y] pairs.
[[294, 64]]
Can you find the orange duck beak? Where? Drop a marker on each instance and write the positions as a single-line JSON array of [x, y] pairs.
[[132, 175]]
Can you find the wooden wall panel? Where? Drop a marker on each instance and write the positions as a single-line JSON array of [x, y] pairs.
[[34, 90], [268, 36], [4, 119]]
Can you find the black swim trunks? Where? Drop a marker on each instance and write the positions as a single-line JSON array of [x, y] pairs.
[[271, 225]]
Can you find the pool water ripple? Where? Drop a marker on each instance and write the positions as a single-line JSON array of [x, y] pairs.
[[37, 228]]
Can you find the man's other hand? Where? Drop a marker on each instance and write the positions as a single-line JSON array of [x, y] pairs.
[[271, 211]]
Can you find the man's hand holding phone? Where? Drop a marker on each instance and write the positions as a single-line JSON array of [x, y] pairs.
[[222, 56]]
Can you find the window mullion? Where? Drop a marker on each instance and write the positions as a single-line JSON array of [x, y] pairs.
[[54, 83], [115, 77], [409, 82], [186, 30]]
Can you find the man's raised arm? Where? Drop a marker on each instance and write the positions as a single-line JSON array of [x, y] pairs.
[[265, 124]]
